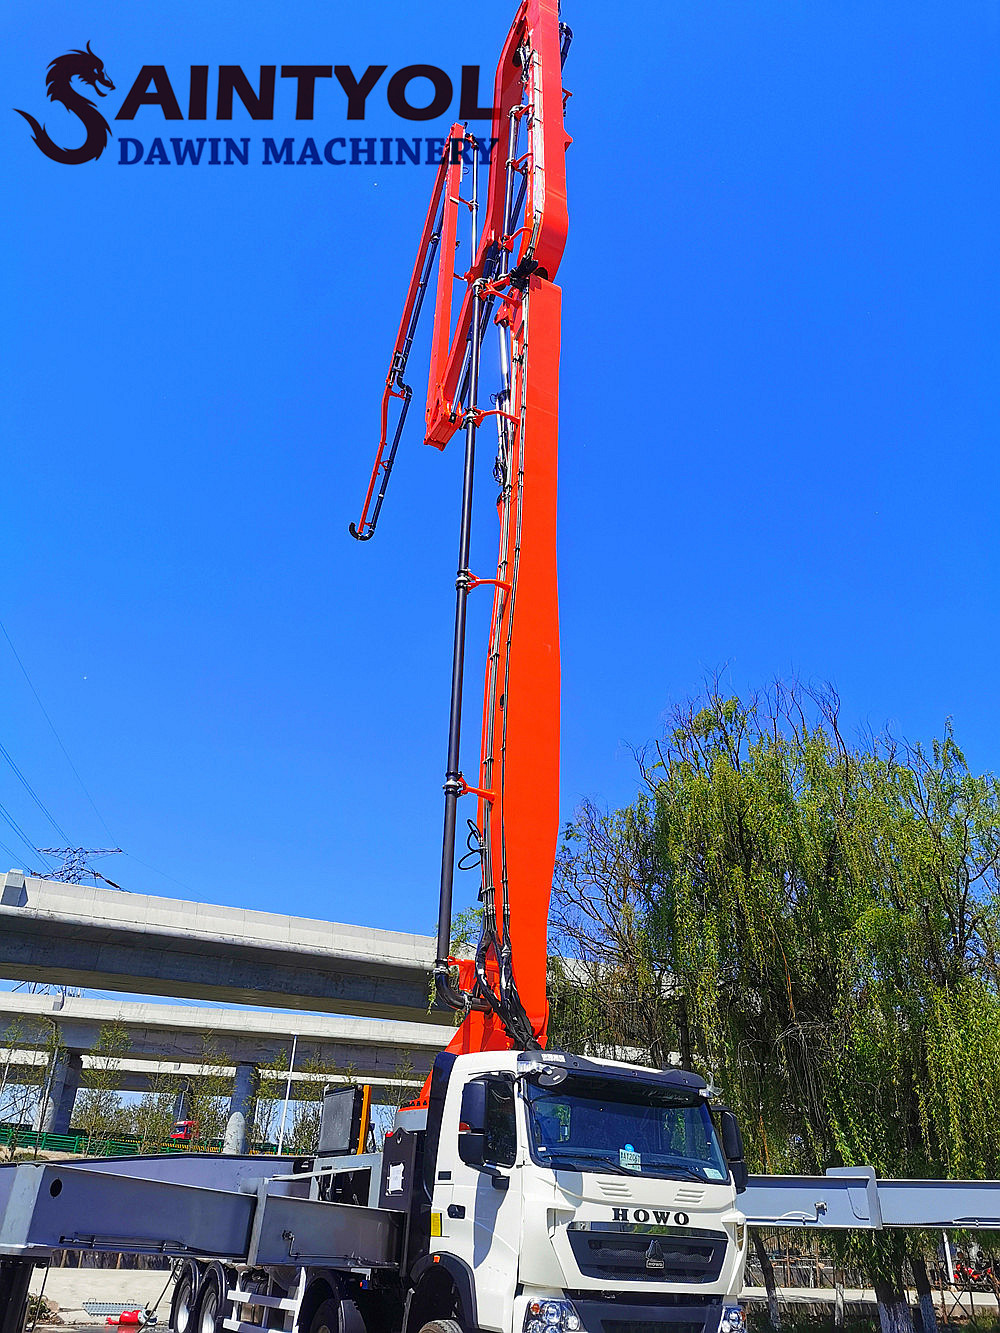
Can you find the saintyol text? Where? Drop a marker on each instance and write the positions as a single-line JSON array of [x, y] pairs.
[[415, 92]]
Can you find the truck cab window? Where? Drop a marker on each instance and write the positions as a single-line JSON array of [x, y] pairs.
[[501, 1127], [627, 1127]]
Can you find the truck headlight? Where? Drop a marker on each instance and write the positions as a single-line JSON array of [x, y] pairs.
[[733, 1320], [552, 1316]]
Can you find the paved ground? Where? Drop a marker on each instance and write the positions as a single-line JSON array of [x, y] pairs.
[[951, 1303], [68, 1288]]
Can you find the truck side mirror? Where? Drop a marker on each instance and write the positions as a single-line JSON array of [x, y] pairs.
[[732, 1139], [472, 1126], [732, 1146]]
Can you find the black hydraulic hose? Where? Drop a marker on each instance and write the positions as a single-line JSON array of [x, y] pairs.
[[565, 41], [453, 777]]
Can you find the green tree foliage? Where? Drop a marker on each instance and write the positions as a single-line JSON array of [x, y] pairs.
[[465, 928], [612, 993], [27, 1056], [98, 1104], [210, 1093], [302, 1123], [402, 1088], [151, 1119], [271, 1100], [813, 924]]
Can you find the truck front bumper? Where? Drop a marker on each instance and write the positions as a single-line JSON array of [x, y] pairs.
[[625, 1316]]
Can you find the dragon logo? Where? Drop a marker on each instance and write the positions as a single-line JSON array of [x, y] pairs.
[[89, 69]]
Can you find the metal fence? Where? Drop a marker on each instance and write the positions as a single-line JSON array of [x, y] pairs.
[[18, 1136]]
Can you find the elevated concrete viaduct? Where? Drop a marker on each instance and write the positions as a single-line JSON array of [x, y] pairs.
[[28, 1066], [105, 939], [243, 1041], [173, 1032]]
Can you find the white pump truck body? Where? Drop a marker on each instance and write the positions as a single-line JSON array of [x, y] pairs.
[[571, 1193]]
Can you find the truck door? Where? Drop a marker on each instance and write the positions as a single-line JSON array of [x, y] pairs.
[[482, 1217]]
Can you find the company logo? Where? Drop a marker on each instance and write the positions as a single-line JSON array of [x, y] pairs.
[[89, 69], [658, 1215], [271, 92], [654, 1255]]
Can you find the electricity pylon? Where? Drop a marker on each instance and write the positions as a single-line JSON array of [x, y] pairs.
[[74, 869]]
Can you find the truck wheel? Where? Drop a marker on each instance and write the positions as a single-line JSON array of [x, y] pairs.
[[335, 1316], [182, 1301], [211, 1306], [326, 1318]]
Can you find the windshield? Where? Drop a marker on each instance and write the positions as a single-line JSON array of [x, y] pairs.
[[627, 1129]]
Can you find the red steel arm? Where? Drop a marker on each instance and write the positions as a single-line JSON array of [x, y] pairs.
[[516, 254], [518, 786], [520, 746], [536, 31], [440, 214]]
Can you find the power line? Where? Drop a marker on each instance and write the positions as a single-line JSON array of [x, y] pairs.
[[34, 795], [65, 836], [83, 788], [5, 813], [47, 988], [162, 873], [9, 850]]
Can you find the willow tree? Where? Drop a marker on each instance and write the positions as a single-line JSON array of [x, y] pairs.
[[611, 993], [814, 925]]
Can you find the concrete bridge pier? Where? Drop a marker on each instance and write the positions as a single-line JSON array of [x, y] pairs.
[[56, 1110], [241, 1109]]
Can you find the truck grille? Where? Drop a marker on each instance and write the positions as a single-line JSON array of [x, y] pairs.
[[645, 1314], [649, 1257], [648, 1326]]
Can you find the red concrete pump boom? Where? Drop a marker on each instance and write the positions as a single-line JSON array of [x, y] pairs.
[[516, 250]]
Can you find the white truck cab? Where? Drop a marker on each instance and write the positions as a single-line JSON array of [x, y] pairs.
[[535, 1192], [563, 1193]]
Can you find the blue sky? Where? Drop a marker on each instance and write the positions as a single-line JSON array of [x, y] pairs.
[[778, 444]]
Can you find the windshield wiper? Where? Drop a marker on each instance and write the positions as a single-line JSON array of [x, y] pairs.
[[678, 1172], [669, 1170], [585, 1161]]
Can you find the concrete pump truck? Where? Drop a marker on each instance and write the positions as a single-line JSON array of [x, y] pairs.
[[526, 1190], [559, 1192]]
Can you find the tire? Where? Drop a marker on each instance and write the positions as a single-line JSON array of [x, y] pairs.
[[335, 1316], [211, 1306], [326, 1318], [442, 1326], [183, 1300]]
